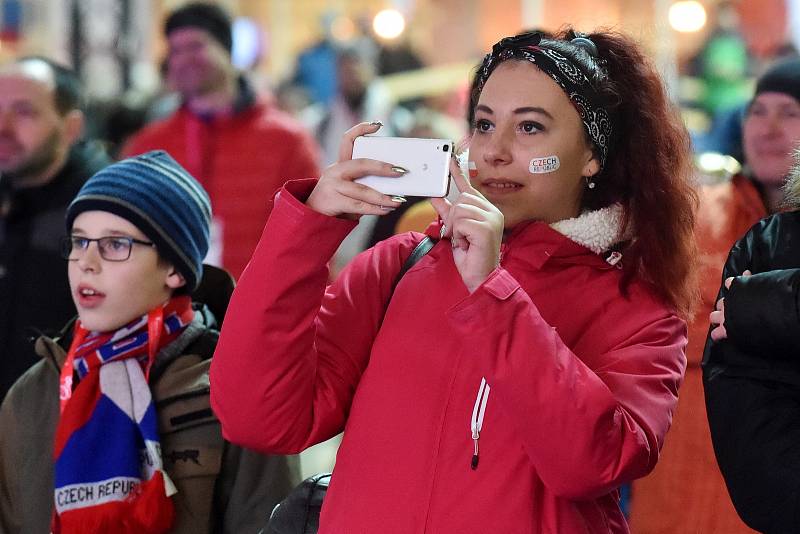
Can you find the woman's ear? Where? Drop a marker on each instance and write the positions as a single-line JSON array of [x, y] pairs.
[[592, 166], [175, 279]]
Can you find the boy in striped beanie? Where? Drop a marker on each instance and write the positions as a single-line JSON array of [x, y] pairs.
[[136, 235]]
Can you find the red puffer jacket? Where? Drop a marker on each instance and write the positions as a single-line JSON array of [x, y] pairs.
[[242, 160], [581, 380]]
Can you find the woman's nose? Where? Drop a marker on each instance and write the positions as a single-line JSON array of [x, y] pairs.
[[498, 149]]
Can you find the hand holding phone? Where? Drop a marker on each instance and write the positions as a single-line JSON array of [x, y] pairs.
[[426, 160], [337, 195]]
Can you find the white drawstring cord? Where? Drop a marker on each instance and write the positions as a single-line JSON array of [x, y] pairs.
[[476, 423]]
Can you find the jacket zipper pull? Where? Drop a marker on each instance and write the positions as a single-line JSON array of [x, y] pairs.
[[476, 422], [474, 463]]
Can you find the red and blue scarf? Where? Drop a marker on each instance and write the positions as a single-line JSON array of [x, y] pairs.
[[109, 475]]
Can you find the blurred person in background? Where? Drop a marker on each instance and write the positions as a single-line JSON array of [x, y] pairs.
[[751, 372], [241, 148], [359, 96], [723, 63], [686, 492], [44, 161], [315, 68]]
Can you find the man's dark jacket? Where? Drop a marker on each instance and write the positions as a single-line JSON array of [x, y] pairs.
[[34, 291], [752, 378]]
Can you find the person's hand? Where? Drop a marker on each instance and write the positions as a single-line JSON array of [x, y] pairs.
[[337, 195], [717, 317], [475, 228]]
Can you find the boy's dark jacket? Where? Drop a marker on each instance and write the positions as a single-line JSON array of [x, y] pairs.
[[221, 487]]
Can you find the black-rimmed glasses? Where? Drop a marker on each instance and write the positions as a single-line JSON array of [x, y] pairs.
[[111, 248]]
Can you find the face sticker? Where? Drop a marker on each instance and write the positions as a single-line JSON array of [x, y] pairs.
[[544, 165], [473, 170]]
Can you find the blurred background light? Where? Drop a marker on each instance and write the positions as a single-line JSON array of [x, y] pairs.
[[247, 43], [389, 24], [687, 17]]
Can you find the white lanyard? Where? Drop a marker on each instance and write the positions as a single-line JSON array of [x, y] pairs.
[[476, 423]]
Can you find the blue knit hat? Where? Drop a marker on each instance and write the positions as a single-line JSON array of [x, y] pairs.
[[161, 199]]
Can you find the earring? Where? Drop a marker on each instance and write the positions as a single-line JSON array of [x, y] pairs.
[[590, 183]]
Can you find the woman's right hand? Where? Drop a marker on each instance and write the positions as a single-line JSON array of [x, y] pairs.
[[337, 195]]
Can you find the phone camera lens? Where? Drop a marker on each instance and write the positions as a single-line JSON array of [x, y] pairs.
[[446, 148]]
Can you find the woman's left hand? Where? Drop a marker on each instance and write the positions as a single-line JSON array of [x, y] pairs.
[[717, 317], [475, 228]]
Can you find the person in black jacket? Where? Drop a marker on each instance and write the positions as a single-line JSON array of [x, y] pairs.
[[43, 164], [751, 370]]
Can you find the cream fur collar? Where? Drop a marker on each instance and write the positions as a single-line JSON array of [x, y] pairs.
[[597, 230]]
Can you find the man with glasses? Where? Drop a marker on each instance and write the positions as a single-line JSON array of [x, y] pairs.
[[43, 163]]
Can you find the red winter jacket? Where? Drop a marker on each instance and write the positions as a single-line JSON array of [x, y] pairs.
[[242, 160], [583, 381]]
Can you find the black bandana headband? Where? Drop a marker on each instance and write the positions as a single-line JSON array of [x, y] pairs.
[[577, 86]]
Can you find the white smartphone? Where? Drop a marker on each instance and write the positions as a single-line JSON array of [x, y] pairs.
[[427, 162]]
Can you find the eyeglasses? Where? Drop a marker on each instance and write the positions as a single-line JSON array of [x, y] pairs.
[[111, 248]]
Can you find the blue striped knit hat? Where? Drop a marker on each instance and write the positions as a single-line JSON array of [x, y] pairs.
[[161, 199]]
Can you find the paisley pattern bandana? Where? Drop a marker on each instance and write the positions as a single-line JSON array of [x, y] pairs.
[[572, 80]]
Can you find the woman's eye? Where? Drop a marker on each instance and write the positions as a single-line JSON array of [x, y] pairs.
[[482, 125], [80, 242], [531, 127]]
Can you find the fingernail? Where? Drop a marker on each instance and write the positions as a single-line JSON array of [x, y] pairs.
[[399, 169], [386, 208], [400, 199], [376, 123]]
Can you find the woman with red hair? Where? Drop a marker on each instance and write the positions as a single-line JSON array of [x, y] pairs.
[[528, 365]]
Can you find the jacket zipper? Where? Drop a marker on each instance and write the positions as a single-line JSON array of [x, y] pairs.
[[476, 422]]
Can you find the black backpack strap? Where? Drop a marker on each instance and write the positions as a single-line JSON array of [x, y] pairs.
[[422, 248], [299, 512]]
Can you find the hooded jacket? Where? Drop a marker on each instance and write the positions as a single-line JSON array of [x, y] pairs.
[[566, 385], [752, 378], [221, 488]]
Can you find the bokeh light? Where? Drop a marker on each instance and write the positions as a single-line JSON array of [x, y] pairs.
[[687, 17], [389, 24]]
